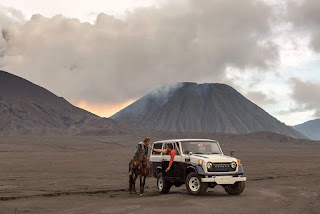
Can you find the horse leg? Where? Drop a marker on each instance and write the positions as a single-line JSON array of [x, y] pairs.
[[141, 185], [130, 183], [130, 177], [130, 167], [134, 182]]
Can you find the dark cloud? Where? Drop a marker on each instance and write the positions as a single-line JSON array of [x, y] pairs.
[[116, 60], [306, 94], [305, 15]]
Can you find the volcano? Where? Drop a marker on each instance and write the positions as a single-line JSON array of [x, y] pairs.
[[192, 107]]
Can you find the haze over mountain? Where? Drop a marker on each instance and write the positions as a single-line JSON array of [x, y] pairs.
[[191, 107], [26, 108], [311, 129]]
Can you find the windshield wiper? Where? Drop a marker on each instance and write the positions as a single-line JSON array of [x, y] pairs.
[[200, 153], [214, 153]]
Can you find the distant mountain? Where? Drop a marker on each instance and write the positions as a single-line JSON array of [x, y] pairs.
[[311, 129], [26, 108], [191, 107]]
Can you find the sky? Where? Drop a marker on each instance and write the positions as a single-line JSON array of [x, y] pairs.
[[102, 55]]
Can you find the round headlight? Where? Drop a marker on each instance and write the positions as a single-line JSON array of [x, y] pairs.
[[233, 165], [209, 165]]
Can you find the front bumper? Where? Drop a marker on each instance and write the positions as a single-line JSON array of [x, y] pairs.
[[223, 179]]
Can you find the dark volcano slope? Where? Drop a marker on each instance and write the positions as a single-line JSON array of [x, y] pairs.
[[311, 129], [191, 107], [26, 108]]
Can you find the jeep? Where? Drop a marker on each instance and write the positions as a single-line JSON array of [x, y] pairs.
[[199, 163]]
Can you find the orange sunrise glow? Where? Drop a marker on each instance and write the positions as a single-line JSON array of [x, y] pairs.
[[103, 110]]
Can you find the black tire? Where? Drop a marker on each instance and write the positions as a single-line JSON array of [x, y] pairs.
[[166, 185], [194, 184], [236, 188]]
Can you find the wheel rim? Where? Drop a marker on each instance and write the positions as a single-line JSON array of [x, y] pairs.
[[160, 183], [194, 184]]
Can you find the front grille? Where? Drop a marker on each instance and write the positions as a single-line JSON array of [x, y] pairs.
[[221, 167]]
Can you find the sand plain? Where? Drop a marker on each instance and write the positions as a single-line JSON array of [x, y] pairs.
[[88, 174]]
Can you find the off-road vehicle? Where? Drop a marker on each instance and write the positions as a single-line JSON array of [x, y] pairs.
[[199, 163]]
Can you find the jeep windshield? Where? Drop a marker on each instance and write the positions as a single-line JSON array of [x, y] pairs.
[[200, 147]]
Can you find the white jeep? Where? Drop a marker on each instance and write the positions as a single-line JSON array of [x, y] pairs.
[[199, 163]]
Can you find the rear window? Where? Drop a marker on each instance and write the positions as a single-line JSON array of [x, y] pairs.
[[157, 146]]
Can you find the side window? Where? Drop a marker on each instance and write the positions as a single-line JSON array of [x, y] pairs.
[[165, 146], [157, 146]]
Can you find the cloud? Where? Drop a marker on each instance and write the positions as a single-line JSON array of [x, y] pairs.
[[260, 98], [8, 16], [306, 94], [305, 15], [116, 60], [291, 110]]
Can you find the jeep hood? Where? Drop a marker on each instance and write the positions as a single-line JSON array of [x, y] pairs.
[[213, 158]]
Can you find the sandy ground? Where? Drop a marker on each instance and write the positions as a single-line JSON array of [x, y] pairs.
[[89, 175]]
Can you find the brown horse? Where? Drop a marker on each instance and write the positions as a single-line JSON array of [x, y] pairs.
[[138, 166]]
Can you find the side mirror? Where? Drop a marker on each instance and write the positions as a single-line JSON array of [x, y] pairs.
[[231, 152]]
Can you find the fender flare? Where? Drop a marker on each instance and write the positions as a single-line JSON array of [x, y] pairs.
[[198, 169], [158, 169], [240, 168]]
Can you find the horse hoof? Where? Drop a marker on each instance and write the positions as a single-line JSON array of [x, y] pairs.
[[142, 195]]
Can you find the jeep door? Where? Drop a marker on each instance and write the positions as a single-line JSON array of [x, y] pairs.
[[179, 166], [176, 170]]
